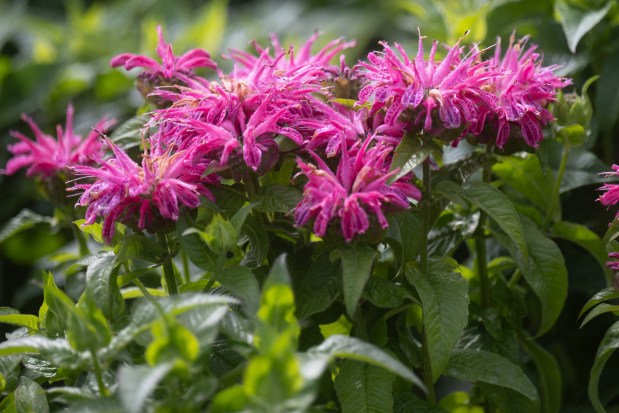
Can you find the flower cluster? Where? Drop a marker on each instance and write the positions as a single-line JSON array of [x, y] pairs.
[[279, 101]]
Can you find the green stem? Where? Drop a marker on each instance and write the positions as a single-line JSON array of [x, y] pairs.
[[185, 261], [555, 196], [251, 184], [168, 270], [515, 278], [425, 211], [150, 297], [98, 374], [81, 240]]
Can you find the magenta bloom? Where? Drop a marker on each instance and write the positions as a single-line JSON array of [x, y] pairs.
[[46, 156], [123, 190], [358, 189], [171, 66], [611, 195], [522, 88], [613, 265], [451, 87]]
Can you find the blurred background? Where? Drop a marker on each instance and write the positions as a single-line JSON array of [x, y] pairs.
[[53, 52]]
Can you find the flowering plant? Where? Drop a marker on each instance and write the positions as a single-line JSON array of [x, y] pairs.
[[273, 241]]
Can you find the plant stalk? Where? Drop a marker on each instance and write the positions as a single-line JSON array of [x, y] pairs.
[[557, 186], [98, 374], [168, 270]]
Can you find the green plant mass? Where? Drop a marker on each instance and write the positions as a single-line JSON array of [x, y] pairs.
[[312, 220]]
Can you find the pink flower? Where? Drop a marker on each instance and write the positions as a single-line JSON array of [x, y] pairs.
[[171, 66], [613, 265], [358, 189], [611, 196], [450, 87], [522, 87], [46, 156], [123, 190]]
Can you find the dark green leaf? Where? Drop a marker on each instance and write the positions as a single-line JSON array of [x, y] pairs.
[[317, 289], [30, 397], [609, 343], [258, 242], [384, 294], [583, 237], [101, 282], [407, 402], [241, 282], [277, 198], [355, 349], [444, 301], [58, 351], [26, 219], [478, 366], [363, 388], [10, 370], [357, 260], [607, 101], [130, 133], [577, 22], [508, 400], [407, 156], [195, 247], [604, 295], [600, 309], [405, 229], [138, 246], [549, 373]]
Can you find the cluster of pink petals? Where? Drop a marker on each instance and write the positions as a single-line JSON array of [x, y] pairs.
[[358, 189], [124, 190], [611, 194], [45, 157], [464, 91]]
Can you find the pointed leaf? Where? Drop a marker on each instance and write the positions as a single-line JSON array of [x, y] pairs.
[[583, 237], [609, 343], [478, 366], [277, 198], [444, 302], [549, 373], [101, 282], [600, 309], [363, 388], [30, 397], [31, 322], [24, 220], [317, 289], [609, 293], [407, 156], [241, 282], [357, 260], [129, 134], [577, 22]]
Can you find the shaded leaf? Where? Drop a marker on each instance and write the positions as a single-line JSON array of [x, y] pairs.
[[357, 260], [609, 343], [241, 282], [363, 388], [26, 219], [583, 237], [130, 133], [277, 198], [30, 397], [577, 22], [102, 283], [549, 373]]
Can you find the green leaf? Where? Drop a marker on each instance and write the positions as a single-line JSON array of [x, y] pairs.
[[577, 22], [583, 237], [607, 101], [355, 349], [220, 234], [172, 342], [405, 228], [545, 273], [363, 388], [30, 397], [357, 260], [507, 400], [138, 246], [600, 309], [384, 294], [317, 289], [407, 402], [241, 282], [103, 286], [26, 219], [407, 156], [609, 343], [58, 350], [130, 133], [258, 242], [194, 246], [493, 202], [57, 301], [478, 366], [31, 322], [549, 373], [444, 302], [277, 198], [604, 295]]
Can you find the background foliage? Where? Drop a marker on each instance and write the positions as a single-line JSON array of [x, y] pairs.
[[55, 52]]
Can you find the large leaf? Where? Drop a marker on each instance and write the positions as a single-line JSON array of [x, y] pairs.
[[30, 397], [241, 282], [363, 388], [31, 322], [102, 283], [355, 349], [58, 350], [606, 99], [405, 228], [317, 289], [493, 202], [478, 366], [577, 22], [583, 237], [609, 343], [444, 301], [26, 219], [357, 260], [549, 373], [545, 272]]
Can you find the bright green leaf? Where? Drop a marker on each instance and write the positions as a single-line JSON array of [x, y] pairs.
[[609, 293], [583, 237], [600, 309], [31, 322]]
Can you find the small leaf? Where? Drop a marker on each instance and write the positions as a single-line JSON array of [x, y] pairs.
[[407, 156], [277, 198], [405, 231], [609, 343], [241, 282], [30, 397], [355, 349], [130, 133], [609, 293], [357, 260], [600, 309], [363, 388], [478, 366], [577, 22], [258, 242], [31, 322], [194, 246], [444, 301]]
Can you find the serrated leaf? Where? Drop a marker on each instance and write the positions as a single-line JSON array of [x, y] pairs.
[[357, 261], [549, 374], [363, 388], [583, 237], [277, 198], [26, 219], [31, 322], [101, 282], [355, 349], [494, 203], [258, 242], [609, 343], [577, 22], [444, 301], [241, 282], [30, 397], [478, 366]]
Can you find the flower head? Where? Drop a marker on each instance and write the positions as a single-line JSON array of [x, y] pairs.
[[171, 66], [611, 195], [359, 189], [123, 190], [45, 156]]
